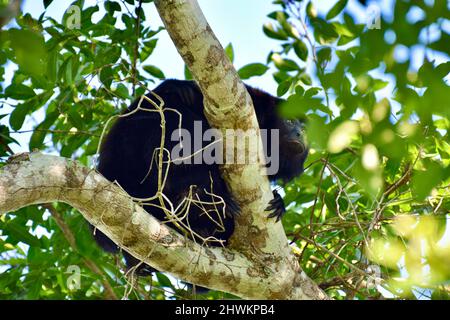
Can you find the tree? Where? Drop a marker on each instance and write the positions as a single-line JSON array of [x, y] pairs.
[[377, 178]]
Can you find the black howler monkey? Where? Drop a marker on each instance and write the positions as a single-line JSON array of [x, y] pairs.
[[127, 151]]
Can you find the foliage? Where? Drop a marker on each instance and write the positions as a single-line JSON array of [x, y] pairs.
[[375, 195], [376, 192]]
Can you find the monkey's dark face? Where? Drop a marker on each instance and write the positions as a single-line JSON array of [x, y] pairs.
[[293, 149]]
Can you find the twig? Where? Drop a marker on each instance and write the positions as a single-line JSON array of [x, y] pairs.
[[58, 132], [348, 264], [400, 182]]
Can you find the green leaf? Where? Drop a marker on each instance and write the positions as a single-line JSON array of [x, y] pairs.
[[47, 3], [311, 92], [230, 52], [324, 32], [106, 76], [272, 32], [106, 55], [52, 65], [20, 233], [306, 79], [337, 8], [73, 144], [281, 76], [283, 87], [443, 69], [343, 30], [317, 132], [284, 64], [76, 119], [148, 48], [163, 280], [34, 288], [18, 116], [251, 70], [29, 51], [288, 28], [187, 73], [111, 7], [379, 84], [37, 139], [297, 105], [122, 91], [425, 181], [311, 10], [324, 55], [301, 50], [19, 92], [154, 71]]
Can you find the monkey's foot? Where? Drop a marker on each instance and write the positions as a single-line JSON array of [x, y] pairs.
[[276, 206]]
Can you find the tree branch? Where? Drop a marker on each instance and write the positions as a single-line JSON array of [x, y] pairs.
[[229, 106], [34, 178]]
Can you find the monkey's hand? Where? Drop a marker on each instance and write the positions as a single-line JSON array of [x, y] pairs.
[[276, 206]]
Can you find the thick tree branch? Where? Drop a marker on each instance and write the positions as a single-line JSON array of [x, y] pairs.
[[36, 178], [258, 263], [227, 106]]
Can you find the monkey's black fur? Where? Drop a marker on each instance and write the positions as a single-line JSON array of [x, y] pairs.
[[127, 151]]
